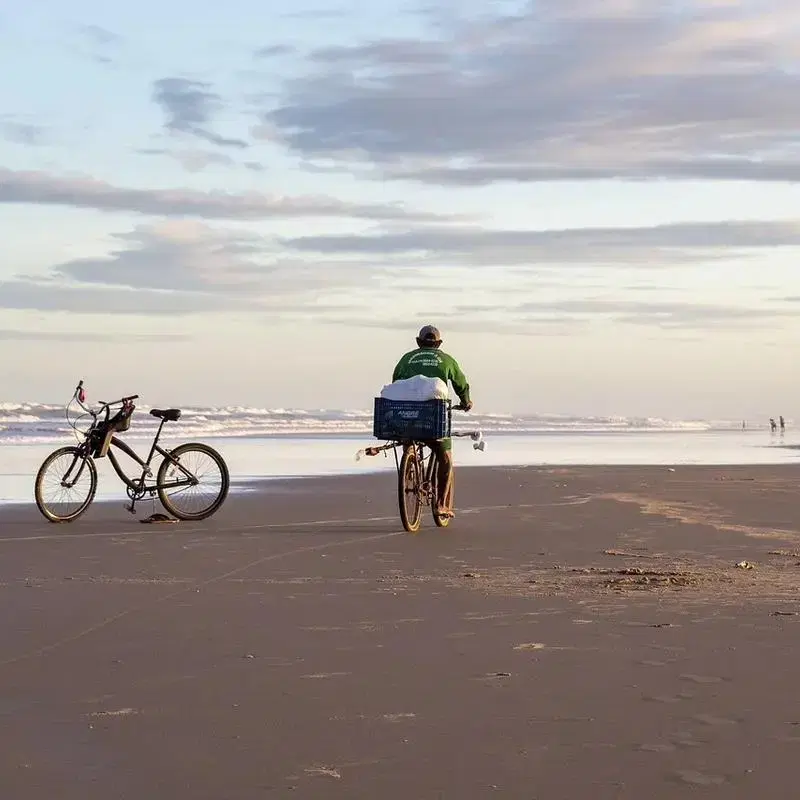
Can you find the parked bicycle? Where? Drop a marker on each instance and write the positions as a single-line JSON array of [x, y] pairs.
[[192, 480], [417, 467]]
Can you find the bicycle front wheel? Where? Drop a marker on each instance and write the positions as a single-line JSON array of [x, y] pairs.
[[65, 484], [197, 485], [408, 489]]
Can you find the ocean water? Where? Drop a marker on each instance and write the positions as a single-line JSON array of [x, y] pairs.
[[269, 443], [37, 423]]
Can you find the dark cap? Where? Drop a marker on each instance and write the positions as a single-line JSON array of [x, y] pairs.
[[430, 333]]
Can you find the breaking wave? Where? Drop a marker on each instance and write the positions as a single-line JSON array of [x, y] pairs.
[[40, 423]]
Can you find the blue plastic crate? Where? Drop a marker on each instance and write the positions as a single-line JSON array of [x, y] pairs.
[[419, 420]]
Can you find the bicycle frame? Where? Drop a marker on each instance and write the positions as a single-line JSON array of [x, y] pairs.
[[137, 488], [478, 443], [427, 463]]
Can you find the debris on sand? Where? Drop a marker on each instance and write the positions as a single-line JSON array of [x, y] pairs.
[[330, 772]]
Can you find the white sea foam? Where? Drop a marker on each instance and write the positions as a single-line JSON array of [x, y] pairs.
[[32, 423]]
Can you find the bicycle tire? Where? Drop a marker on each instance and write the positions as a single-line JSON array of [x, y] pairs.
[[168, 501], [408, 489], [441, 522], [38, 491]]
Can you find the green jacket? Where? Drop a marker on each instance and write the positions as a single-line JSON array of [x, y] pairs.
[[433, 363]]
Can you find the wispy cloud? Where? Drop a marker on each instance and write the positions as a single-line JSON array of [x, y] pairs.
[[569, 316], [191, 160], [100, 36], [316, 14], [184, 267], [662, 314], [31, 295], [563, 90], [98, 44], [18, 131], [675, 243], [176, 255], [8, 335], [274, 50], [82, 192], [190, 108]]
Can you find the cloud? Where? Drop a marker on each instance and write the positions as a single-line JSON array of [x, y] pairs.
[[24, 294], [190, 107], [397, 53], [191, 160], [674, 243], [100, 36], [42, 188], [661, 314], [562, 90], [199, 160], [183, 267], [315, 14], [274, 50], [19, 132], [567, 316], [98, 44], [78, 336], [176, 255]]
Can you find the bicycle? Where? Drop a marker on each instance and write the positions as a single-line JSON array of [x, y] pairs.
[[417, 474], [72, 468]]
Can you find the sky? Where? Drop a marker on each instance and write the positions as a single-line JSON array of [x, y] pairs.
[[259, 204]]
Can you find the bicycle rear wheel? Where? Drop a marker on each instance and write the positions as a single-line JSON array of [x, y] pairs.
[[441, 522], [62, 500], [201, 499], [408, 489]]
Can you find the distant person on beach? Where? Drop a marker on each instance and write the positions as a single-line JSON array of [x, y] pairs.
[[430, 361], [772, 425], [783, 424]]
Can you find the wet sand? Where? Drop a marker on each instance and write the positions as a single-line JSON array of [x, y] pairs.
[[576, 632]]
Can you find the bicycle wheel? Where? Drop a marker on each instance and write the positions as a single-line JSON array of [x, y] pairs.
[[201, 499], [441, 522], [408, 489], [56, 499]]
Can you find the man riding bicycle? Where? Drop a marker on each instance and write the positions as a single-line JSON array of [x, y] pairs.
[[431, 362]]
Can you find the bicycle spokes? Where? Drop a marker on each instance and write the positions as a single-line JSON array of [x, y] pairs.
[[193, 481], [65, 485]]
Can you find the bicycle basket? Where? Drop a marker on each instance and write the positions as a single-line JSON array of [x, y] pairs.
[[121, 421], [102, 434], [404, 420]]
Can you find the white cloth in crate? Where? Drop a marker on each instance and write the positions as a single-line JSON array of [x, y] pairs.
[[418, 387]]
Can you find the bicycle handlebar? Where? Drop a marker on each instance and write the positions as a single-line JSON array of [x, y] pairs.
[[80, 396]]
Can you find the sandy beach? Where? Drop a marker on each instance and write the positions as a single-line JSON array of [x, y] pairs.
[[577, 632]]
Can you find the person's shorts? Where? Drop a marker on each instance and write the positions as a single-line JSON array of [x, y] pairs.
[[445, 445]]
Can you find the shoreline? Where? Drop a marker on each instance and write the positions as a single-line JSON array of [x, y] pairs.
[[272, 484], [366, 434]]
